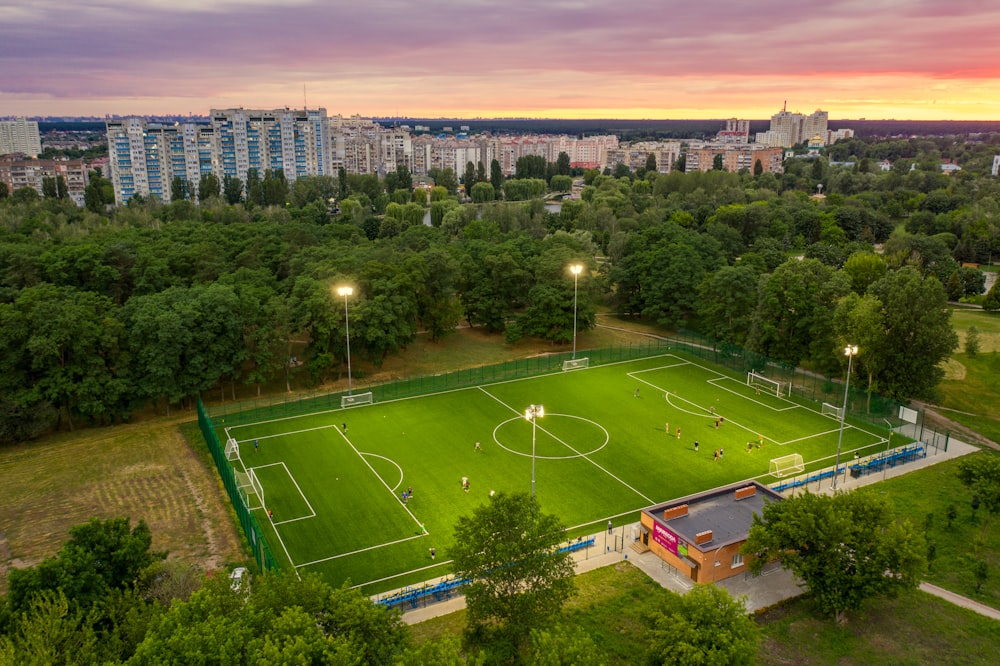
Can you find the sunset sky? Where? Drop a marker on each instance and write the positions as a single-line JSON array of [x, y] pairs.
[[663, 59]]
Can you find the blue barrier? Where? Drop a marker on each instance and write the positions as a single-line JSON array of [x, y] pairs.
[[445, 588]]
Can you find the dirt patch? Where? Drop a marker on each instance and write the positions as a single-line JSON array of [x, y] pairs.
[[954, 370], [938, 421]]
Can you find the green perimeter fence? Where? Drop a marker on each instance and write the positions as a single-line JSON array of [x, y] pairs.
[[258, 544], [810, 386], [806, 385]]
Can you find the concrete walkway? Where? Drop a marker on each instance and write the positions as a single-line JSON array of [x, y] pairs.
[[758, 592]]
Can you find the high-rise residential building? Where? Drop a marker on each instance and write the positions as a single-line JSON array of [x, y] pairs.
[[736, 131], [20, 136], [296, 142], [146, 158], [788, 129]]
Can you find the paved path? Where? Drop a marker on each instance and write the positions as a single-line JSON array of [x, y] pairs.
[[758, 592], [959, 600]]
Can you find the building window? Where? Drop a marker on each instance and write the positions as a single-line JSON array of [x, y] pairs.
[[737, 560]]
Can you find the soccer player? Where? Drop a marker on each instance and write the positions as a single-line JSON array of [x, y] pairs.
[[678, 433], [478, 448]]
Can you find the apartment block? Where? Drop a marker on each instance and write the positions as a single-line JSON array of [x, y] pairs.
[[20, 136], [18, 172], [735, 157]]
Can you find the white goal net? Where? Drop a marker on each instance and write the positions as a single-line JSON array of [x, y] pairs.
[[762, 383], [785, 465], [831, 410], [356, 399], [576, 363], [232, 449], [250, 489]]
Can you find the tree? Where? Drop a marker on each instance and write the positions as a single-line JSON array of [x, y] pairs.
[[972, 341], [180, 189], [917, 334], [717, 162], [232, 189], [846, 547], [517, 580], [482, 193], [563, 164], [981, 473], [704, 626], [100, 556], [469, 179], [496, 176], [651, 163], [208, 187], [284, 620], [726, 302]]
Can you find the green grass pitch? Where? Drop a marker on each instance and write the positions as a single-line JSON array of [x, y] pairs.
[[602, 451]]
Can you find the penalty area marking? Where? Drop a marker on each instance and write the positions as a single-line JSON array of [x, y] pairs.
[[578, 454]]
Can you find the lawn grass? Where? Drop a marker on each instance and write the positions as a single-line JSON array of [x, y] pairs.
[[928, 492], [613, 603], [600, 452], [915, 628], [142, 471]]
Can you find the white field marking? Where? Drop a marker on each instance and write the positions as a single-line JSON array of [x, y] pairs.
[[394, 464], [717, 384], [312, 511], [607, 438], [361, 550], [404, 573], [376, 474], [444, 392], [578, 453]]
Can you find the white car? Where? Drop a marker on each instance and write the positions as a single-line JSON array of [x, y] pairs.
[[238, 577]]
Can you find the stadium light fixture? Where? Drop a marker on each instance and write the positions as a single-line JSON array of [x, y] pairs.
[[850, 351], [533, 413], [345, 292], [575, 269]]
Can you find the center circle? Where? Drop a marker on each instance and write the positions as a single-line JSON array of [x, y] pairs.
[[540, 425]]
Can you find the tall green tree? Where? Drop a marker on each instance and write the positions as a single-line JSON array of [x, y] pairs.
[[846, 547], [704, 626], [232, 189], [727, 299], [917, 335], [518, 582], [208, 187], [496, 176]]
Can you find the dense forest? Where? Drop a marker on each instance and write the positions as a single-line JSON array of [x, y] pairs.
[[104, 310]]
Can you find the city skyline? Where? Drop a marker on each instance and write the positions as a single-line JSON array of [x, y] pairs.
[[920, 60]]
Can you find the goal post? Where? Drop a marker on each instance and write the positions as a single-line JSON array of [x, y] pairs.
[[356, 399], [762, 383], [248, 486], [790, 464], [232, 449], [831, 410], [576, 363]]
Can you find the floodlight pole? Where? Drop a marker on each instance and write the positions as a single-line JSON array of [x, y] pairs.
[[345, 292], [575, 269], [849, 351], [533, 413]]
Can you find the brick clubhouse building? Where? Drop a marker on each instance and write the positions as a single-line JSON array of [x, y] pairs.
[[700, 536]]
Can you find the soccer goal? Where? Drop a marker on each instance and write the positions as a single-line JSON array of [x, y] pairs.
[[790, 464], [576, 363], [762, 383], [831, 410], [250, 489], [232, 449], [356, 399]]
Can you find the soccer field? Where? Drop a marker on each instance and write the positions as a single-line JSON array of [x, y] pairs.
[[613, 440]]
